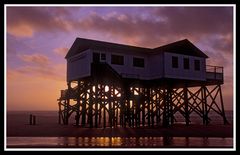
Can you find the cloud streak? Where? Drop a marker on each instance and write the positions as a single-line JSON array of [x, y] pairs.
[[38, 72], [25, 21], [36, 58], [39, 66]]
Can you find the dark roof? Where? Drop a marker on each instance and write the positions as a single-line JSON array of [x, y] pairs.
[[179, 47], [81, 44]]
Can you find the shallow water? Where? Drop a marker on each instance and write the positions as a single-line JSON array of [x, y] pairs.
[[120, 142]]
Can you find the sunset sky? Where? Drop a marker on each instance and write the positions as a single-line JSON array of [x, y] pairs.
[[39, 37]]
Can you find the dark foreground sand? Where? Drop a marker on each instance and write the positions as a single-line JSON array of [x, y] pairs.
[[47, 126]]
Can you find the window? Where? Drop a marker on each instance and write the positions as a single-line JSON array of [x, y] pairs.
[[197, 65], [138, 62], [103, 56], [117, 59], [185, 63], [96, 57], [174, 62]]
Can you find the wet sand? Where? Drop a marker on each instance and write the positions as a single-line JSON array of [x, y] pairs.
[[47, 126]]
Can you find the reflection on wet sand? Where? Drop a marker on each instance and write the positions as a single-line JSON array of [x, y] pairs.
[[119, 142]]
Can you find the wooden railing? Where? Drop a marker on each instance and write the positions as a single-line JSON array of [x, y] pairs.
[[214, 72], [69, 93], [214, 69]]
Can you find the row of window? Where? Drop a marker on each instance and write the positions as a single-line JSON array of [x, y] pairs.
[[139, 62], [118, 59], [186, 64]]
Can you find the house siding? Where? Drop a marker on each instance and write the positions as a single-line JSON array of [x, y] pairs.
[[79, 66]]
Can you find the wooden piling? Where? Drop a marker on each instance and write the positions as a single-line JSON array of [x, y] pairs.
[[151, 106], [30, 119], [34, 120]]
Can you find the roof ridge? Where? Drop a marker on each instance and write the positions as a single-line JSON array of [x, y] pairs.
[[183, 46], [183, 40], [112, 43]]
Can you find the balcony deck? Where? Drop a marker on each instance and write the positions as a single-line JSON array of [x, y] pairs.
[[214, 74]]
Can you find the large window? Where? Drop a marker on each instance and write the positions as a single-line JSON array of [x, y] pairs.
[[185, 63], [117, 59], [197, 65], [174, 62], [138, 62]]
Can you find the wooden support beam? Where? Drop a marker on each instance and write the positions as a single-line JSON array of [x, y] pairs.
[[101, 103], [222, 106], [205, 110], [151, 108], [78, 104], [165, 109], [67, 111], [185, 90], [110, 106], [128, 121], [84, 102], [167, 113], [148, 107], [104, 115], [122, 108], [59, 112], [96, 104], [90, 109], [171, 114], [116, 117], [203, 95], [142, 102]]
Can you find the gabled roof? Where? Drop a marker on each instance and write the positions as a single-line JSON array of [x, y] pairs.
[[181, 47], [81, 44]]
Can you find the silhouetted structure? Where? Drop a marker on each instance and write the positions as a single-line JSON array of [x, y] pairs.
[[32, 119], [131, 86]]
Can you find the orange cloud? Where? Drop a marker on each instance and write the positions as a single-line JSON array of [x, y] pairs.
[[62, 51], [21, 30], [38, 59], [53, 72], [39, 66]]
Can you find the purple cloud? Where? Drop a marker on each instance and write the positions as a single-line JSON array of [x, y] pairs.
[[25, 21]]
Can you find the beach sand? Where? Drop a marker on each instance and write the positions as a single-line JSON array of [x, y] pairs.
[[47, 126]]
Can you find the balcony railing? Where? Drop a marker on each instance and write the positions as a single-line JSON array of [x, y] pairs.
[[214, 72], [70, 93]]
